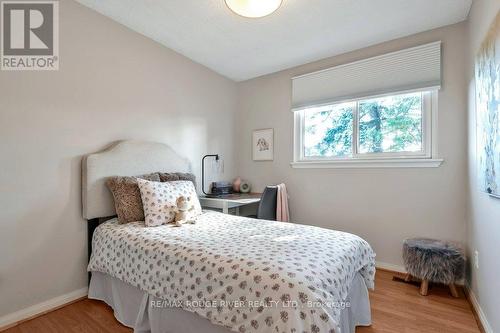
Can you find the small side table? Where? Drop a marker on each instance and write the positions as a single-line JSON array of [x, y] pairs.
[[230, 201]]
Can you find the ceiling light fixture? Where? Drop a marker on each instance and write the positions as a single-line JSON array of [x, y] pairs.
[[253, 8]]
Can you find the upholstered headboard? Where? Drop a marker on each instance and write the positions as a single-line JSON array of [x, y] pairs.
[[125, 158]]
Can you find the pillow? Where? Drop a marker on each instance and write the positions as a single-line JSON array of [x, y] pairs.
[[173, 176], [168, 176], [159, 200], [128, 203]]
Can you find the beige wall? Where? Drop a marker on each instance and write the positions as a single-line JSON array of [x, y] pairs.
[[115, 84], [112, 84], [382, 205], [483, 227]]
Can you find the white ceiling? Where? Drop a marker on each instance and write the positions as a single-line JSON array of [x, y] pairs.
[[301, 31]]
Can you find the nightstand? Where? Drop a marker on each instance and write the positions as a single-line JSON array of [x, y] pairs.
[[230, 201]]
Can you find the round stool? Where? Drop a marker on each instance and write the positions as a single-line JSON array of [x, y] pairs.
[[434, 260]]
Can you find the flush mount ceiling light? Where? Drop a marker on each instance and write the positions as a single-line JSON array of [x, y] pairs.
[[253, 8]]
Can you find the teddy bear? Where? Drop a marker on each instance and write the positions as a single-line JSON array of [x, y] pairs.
[[184, 208]]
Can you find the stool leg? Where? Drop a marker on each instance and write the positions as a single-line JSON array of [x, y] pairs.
[[424, 287], [453, 290]]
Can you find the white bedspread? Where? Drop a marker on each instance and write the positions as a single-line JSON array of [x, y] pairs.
[[245, 274]]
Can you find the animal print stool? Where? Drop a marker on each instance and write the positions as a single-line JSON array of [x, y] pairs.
[[433, 260]]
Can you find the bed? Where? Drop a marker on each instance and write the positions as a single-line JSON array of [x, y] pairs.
[[223, 274]]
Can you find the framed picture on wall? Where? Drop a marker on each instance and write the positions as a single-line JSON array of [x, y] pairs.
[[488, 111], [263, 144]]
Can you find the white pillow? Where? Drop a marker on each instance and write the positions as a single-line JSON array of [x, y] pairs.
[[159, 200]]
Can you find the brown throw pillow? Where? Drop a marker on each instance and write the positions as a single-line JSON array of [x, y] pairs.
[[168, 176], [174, 176], [128, 202]]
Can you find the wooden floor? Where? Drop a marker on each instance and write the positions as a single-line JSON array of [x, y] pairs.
[[396, 308]]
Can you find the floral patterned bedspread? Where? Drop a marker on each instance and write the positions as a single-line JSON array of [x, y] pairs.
[[245, 274]]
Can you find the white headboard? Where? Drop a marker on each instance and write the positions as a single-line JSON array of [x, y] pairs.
[[125, 158]]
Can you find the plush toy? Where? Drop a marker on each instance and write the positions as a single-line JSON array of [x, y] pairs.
[[184, 209]]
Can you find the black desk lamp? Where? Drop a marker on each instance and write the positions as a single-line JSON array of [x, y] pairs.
[[203, 171]]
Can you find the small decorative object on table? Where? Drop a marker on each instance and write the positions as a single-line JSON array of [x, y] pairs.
[[236, 185], [222, 188], [263, 145], [245, 187], [433, 260]]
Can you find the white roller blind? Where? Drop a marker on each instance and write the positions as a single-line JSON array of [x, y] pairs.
[[410, 69]]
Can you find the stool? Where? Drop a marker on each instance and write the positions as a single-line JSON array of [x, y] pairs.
[[434, 260]]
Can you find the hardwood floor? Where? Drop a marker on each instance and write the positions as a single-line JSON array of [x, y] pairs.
[[397, 307]]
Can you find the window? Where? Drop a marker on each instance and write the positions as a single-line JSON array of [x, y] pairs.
[[388, 128]]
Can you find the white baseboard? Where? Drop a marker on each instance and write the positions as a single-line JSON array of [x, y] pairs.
[[478, 309], [390, 267], [40, 308]]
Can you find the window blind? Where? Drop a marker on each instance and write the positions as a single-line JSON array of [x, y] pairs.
[[409, 69]]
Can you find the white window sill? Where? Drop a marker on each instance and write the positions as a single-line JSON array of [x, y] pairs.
[[367, 163]]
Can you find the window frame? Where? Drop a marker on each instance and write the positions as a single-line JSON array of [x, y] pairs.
[[427, 157]]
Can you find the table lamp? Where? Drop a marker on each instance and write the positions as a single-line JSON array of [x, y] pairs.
[[218, 168]]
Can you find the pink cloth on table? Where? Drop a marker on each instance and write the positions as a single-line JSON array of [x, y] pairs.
[[282, 212]]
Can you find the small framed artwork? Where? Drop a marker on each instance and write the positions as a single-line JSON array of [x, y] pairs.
[[263, 144]]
